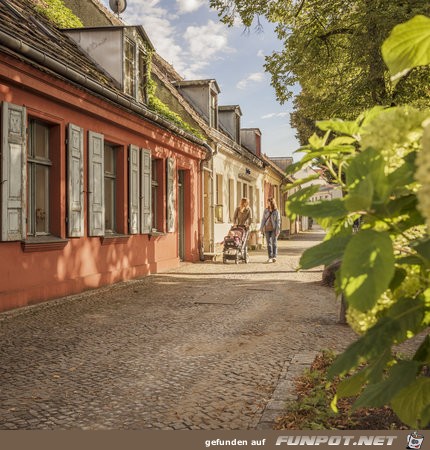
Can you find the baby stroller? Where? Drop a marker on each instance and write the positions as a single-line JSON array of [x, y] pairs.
[[236, 245]]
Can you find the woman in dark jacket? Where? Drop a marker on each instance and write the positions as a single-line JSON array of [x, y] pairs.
[[271, 227]]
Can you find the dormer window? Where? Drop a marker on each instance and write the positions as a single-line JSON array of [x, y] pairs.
[[122, 51], [213, 110]]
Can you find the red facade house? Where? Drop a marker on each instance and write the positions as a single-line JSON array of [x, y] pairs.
[[95, 187]]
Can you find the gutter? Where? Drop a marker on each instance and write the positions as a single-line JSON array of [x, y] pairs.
[[90, 84]]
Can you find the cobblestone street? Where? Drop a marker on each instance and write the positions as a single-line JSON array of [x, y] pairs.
[[205, 346]]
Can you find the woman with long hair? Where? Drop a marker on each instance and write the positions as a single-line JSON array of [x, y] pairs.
[[271, 227], [243, 214]]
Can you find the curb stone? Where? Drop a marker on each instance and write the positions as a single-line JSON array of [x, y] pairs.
[[285, 389]]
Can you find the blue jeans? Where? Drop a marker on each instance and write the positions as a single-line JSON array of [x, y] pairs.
[[272, 244]]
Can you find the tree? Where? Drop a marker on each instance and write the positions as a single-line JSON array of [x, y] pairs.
[[331, 48], [382, 162]]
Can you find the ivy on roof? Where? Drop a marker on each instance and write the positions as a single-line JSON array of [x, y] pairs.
[[58, 13]]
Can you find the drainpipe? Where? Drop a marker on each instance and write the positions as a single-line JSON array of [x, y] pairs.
[[210, 152]]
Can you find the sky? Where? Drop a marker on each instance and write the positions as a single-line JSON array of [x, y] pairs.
[[189, 36]]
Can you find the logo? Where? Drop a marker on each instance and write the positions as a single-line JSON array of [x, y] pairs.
[[414, 440]]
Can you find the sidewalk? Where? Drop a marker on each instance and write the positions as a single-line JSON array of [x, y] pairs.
[[206, 346]]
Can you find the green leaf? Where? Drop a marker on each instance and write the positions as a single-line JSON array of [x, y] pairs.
[[407, 47], [380, 394], [422, 247], [375, 344], [304, 194], [324, 253], [399, 276], [367, 268], [407, 314], [404, 175], [423, 352], [326, 208], [360, 198], [411, 402], [368, 166], [352, 385], [350, 128], [302, 181]]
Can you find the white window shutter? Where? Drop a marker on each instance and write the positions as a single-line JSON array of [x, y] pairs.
[[96, 204], [133, 187], [13, 179], [145, 200], [75, 188], [171, 216]]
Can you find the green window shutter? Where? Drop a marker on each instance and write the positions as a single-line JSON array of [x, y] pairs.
[[133, 187], [171, 216], [13, 177], [145, 201], [75, 188], [96, 206]]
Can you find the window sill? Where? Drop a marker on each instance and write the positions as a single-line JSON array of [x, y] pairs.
[[111, 239], [43, 244], [155, 234]]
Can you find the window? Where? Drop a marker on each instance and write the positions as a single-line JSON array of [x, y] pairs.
[[110, 172], [154, 193], [245, 190], [130, 68], [38, 164], [219, 199], [238, 192], [251, 202], [213, 119]]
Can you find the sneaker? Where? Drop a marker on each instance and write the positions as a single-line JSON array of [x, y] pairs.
[[269, 260], [273, 259]]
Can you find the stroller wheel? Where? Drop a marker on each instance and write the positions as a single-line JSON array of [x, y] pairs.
[[246, 258]]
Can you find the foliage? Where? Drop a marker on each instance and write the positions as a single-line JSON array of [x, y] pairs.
[[331, 49], [58, 13], [311, 409], [382, 162], [161, 108]]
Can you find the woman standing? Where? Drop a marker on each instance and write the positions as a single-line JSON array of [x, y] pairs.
[[271, 227], [243, 214]]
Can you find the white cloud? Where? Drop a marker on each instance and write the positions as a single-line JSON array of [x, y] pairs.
[[272, 115], [260, 54], [189, 51], [187, 6], [255, 77], [208, 40]]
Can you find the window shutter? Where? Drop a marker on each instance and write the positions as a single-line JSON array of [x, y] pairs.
[[146, 221], [171, 195], [75, 173], [96, 204], [133, 196], [13, 175]]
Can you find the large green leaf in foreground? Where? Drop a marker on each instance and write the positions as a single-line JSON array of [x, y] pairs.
[[367, 268], [407, 47]]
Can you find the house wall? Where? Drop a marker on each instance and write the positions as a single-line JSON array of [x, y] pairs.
[[233, 169], [38, 272]]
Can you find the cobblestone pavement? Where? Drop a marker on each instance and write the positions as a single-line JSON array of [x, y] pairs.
[[205, 346]]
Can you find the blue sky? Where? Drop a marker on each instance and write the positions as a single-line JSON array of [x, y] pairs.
[[189, 35]]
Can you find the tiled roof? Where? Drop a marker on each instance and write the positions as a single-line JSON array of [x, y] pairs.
[[19, 20]]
